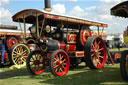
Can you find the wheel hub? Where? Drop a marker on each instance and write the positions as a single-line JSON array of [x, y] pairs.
[[59, 63], [36, 62], [96, 52], [19, 55]]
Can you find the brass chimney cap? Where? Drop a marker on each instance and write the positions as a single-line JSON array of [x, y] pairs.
[[48, 9]]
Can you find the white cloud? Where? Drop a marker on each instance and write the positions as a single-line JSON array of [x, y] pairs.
[[4, 2], [73, 0], [59, 8], [91, 8], [5, 14], [5, 17], [77, 11], [112, 2], [66, 0], [101, 13]]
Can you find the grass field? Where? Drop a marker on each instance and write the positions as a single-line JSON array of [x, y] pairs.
[[109, 75], [116, 49]]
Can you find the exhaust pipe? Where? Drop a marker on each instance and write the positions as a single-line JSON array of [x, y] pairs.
[[47, 5]]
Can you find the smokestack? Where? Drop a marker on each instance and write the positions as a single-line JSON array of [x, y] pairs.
[[47, 5]]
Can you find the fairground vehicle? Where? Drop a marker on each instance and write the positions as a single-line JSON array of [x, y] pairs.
[[63, 41], [15, 51], [121, 10]]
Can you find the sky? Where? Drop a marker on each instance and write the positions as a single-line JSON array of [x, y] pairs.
[[93, 10]]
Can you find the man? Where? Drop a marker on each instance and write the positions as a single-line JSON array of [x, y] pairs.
[[2, 49]]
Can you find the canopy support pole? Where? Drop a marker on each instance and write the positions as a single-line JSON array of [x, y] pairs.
[[24, 27], [20, 25], [37, 25], [42, 26], [98, 31], [102, 31]]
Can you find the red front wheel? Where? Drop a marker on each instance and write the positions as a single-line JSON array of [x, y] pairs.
[[36, 62], [59, 63]]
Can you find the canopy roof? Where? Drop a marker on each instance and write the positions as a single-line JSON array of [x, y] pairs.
[[30, 17], [120, 10]]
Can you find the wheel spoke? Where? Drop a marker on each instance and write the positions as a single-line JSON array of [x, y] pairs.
[[33, 57], [55, 66], [95, 60], [63, 60], [63, 66], [100, 56], [24, 51], [17, 60], [95, 44], [36, 56], [61, 57], [56, 69], [92, 54], [55, 59], [99, 43], [99, 53], [92, 49], [64, 63], [38, 67], [31, 64], [18, 50], [60, 70], [15, 52], [101, 49]]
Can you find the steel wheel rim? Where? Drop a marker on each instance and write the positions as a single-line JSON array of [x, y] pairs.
[[126, 64], [19, 54], [98, 53], [37, 63], [60, 63]]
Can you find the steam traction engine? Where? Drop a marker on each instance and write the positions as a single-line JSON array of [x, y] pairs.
[[121, 10], [63, 41], [15, 53]]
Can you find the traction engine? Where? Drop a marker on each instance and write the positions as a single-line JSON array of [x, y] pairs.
[[63, 41]]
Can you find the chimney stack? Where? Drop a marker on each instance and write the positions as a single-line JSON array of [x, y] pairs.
[[47, 6]]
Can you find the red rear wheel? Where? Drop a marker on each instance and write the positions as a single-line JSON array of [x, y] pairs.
[[36, 62], [95, 52], [59, 63]]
